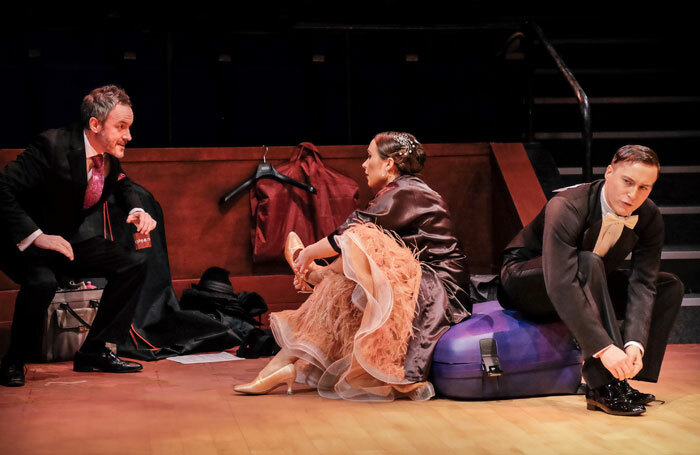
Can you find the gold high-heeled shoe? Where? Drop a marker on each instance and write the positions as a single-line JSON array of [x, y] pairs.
[[285, 375], [292, 248]]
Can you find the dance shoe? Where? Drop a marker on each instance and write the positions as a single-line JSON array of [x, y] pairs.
[[104, 360], [634, 395], [285, 375], [292, 248], [610, 398]]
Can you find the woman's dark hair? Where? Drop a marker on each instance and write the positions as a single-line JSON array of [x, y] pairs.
[[404, 148]]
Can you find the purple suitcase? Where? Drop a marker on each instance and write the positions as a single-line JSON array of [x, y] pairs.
[[528, 358]]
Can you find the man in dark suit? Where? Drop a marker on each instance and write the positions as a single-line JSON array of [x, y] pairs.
[[565, 263], [46, 194]]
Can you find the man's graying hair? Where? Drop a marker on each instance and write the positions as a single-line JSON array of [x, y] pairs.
[[100, 102]]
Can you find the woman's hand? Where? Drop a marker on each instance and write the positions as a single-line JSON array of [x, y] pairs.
[[302, 261], [315, 276]]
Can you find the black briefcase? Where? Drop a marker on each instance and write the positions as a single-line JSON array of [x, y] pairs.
[[67, 322]]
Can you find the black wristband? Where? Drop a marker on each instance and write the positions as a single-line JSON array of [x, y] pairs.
[[334, 244]]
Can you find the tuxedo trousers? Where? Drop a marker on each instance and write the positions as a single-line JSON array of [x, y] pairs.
[[523, 289], [39, 272]]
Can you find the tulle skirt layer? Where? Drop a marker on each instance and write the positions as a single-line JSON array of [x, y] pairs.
[[353, 331]]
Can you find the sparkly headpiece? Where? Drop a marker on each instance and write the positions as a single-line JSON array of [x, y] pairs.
[[406, 143]]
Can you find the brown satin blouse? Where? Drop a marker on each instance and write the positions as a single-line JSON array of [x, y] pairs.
[[419, 215]]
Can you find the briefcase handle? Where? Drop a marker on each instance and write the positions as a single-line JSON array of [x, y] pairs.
[[67, 307]]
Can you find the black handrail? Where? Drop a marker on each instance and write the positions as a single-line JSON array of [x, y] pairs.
[[584, 106]]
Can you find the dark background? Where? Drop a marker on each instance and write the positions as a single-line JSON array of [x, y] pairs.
[[278, 73]]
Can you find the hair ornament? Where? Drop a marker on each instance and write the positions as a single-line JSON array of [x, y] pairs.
[[406, 143]]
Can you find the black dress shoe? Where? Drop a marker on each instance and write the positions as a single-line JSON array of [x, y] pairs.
[[11, 374], [609, 398], [103, 360], [634, 395]]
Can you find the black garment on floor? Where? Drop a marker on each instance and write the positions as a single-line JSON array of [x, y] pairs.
[[161, 327], [258, 343], [214, 296]]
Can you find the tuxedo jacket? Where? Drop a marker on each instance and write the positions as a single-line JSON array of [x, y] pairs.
[[44, 188], [570, 223]]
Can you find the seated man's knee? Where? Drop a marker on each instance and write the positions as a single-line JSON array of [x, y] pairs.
[[676, 286], [41, 279]]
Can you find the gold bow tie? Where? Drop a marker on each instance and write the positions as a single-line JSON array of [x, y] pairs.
[[611, 230]]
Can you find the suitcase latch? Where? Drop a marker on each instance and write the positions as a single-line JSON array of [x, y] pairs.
[[489, 357]]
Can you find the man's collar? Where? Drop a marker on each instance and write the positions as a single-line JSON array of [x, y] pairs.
[[604, 207], [89, 149]]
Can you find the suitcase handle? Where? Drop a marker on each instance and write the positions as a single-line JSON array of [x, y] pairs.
[[67, 307]]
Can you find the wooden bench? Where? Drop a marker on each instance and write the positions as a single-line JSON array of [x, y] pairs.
[[491, 190]]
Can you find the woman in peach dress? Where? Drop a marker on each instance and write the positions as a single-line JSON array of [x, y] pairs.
[[368, 330]]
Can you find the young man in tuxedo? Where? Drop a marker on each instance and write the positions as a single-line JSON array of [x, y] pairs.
[[566, 263], [46, 194]]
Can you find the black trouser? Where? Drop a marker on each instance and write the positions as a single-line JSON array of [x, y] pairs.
[[523, 289], [36, 271]]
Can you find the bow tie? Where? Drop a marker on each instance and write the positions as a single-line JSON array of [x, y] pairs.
[[611, 230]]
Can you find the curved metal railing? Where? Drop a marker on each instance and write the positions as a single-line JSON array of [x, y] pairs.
[[584, 105]]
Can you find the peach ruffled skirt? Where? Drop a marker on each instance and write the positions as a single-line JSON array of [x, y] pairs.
[[352, 333]]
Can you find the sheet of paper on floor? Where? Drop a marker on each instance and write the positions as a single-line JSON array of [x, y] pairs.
[[204, 358]]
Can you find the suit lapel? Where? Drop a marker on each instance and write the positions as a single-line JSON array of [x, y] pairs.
[[619, 251], [111, 178], [590, 236], [77, 160], [594, 218]]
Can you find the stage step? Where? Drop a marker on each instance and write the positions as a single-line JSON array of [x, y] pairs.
[[686, 328]]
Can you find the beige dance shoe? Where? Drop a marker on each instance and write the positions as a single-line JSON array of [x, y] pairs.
[[260, 386]]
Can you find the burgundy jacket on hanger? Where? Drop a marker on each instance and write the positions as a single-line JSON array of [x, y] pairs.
[[278, 209]]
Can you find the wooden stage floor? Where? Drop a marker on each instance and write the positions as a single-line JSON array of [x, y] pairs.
[[173, 409]]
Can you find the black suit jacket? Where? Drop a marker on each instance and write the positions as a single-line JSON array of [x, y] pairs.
[[570, 223], [45, 186]]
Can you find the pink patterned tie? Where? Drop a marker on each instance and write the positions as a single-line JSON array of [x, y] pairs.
[[96, 183]]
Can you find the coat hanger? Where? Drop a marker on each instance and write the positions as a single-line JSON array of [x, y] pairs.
[[266, 170]]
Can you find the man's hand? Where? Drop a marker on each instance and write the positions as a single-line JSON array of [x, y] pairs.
[[143, 221], [55, 243], [634, 353], [618, 363]]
